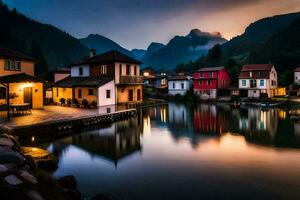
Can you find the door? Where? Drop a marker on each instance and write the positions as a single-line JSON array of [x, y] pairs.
[[130, 95], [27, 93]]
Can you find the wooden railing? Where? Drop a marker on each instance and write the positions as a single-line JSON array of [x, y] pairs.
[[131, 79]]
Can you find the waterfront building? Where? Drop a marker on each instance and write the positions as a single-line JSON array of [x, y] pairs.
[[18, 85], [159, 81], [297, 76], [208, 81], [259, 80], [106, 79], [179, 84]]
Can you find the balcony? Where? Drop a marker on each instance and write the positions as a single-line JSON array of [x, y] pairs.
[[131, 80]]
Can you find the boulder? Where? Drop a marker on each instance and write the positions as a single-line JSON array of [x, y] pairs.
[[6, 142], [34, 195], [68, 182], [13, 180], [28, 177], [12, 158], [16, 144]]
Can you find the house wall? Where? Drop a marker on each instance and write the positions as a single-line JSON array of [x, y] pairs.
[[297, 77], [75, 70], [219, 80], [102, 100], [17, 88], [26, 67], [95, 69], [85, 94], [207, 94], [123, 93], [187, 84], [117, 70], [59, 93], [60, 76]]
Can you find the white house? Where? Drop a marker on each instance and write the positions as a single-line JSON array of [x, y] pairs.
[[258, 80], [179, 84], [297, 76]]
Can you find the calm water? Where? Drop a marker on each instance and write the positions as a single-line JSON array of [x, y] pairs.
[[181, 151]]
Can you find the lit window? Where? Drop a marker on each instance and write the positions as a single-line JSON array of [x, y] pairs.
[[103, 69], [261, 83]]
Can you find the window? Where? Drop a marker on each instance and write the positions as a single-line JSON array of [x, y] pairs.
[[2, 93], [201, 74], [91, 92], [173, 85], [209, 82], [182, 85], [244, 83], [12, 65], [103, 69], [261, 82], [130, 95], [135, 70], [273, 83], [253, 83], [127, 69], [138, 94], [200, 82], [57, 95], [108, 94], [108, 110], [79, 93], [210, 74], [120, 69], [80, 71]]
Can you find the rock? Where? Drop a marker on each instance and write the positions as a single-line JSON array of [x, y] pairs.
[[68, 182], [34, 195], [13, 180], [5, 149], [3, 168], [30, 161], [28, 177], [12, 138], [12, 158], [6, 142], [75, 194]]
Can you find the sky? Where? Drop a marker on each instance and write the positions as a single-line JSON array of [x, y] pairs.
[[137, 23]]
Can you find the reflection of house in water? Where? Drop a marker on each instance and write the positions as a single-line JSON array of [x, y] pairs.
[[157, 115], [114, 143], [180, 117], [211, 119]]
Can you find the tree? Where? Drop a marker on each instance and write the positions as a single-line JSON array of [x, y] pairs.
[[41, 66], [214, 54]]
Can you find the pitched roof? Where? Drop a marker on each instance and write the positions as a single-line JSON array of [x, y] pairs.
[[210, 69], [17, 78], [297, 69], [12, 54], [257, 67], [91, 81], [110, 56], [257, 71]]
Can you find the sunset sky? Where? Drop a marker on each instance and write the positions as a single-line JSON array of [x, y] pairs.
[[137, 23]]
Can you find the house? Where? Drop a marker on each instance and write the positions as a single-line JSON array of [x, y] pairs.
[[297, 76], [179, 84], [61, 74], [259, 80], [155, 80], [207, 82], [17, 80], [106, 79]]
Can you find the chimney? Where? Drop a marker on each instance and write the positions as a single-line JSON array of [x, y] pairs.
[[92, 52]]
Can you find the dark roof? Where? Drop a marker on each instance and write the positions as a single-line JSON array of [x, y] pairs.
[[178, 77], [11, 54], [210, 69], [17, 78], [91, 81], [110, 56], [297, 69], [257, 67], [257, 70]]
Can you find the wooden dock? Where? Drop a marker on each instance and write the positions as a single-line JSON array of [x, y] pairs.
[[67, 126]]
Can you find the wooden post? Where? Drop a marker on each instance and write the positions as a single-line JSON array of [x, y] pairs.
[[7, 101]]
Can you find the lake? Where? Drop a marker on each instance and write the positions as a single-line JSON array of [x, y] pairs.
[[181, 151]]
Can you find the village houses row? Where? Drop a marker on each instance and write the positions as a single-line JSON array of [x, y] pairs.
[[113, 78]]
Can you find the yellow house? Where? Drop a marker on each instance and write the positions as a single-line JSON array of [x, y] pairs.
[[17, 80]]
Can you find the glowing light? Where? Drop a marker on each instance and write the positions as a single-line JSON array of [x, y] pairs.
[[146, 74], [32, 139], [25, 85]]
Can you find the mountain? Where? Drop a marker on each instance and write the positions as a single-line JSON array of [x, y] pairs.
[[52, 46], [138, 53], [182, 49], [258, 33], [103, 44]]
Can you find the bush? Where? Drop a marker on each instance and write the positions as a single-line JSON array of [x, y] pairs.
[[69, 102], [62, 101], [85, 103], [76, 102], [94, 104]]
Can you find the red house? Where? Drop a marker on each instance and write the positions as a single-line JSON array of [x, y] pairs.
[[207, 81]]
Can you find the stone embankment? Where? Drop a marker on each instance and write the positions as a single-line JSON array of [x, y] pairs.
[[25, 173]]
